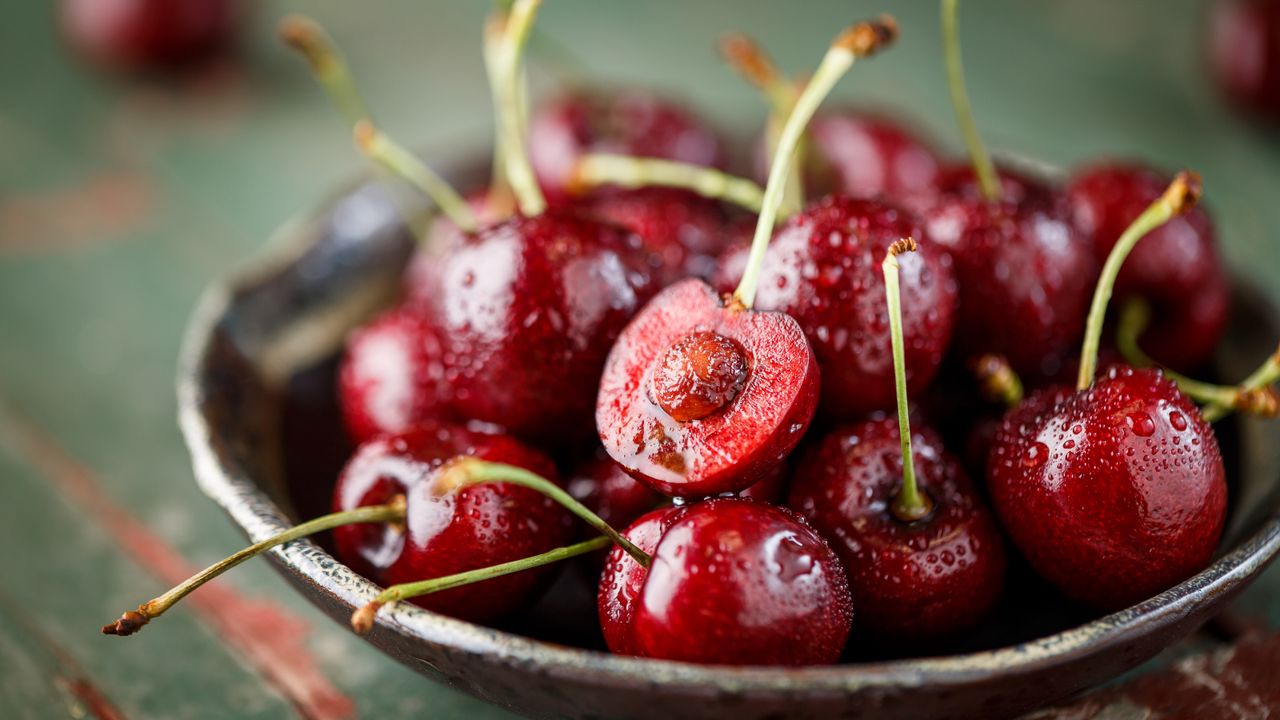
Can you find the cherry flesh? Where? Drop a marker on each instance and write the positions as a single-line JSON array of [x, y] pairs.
[[391, 377], [148, 34], [447, 533], [1114, 493], [629, 122], [685, 232], [1025, 275], [745, 383], [910, 581], [823, 268], [527, 310], [733, 581], [1175, 268], [1244, 51]]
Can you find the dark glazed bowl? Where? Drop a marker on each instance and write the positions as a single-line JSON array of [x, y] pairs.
[[260, 351]]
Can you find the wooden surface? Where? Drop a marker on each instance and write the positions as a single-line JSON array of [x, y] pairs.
[[120, 199]]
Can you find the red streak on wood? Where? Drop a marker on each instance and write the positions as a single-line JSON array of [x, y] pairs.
[[101, 207], [268, 637]]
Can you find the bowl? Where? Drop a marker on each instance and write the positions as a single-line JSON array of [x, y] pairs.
[[258, 414]]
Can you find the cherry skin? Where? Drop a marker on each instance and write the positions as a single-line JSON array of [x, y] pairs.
[[701, 396], [685, 232], [391, 377], [1114, 493], [1175, 267], [629, 122], [148, 34], [1025, 275], [910, 581], [475, 527], [421, 276], [527, 309], [823, 268], [1244, 52], [733, 581]]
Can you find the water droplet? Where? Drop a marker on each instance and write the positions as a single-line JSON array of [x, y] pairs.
[[1035, 455], [1141, 424], [1177, 420], [1069, 444]]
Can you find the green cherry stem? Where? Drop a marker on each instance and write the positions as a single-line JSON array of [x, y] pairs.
[[596, 169], [909, 505], [998, 381], [509, 74], [500, 197], [400, 162], [362, 620], [327, 65], [1181, 195], [133, 621], [464, 472], [753, 64], [983, 168], [1255, 396], [860, 40]]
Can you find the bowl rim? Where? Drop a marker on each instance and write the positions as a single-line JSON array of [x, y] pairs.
[[259, 518]]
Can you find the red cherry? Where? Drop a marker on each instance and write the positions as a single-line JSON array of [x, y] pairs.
[[823, 269], [447, 533], [527, 310], [148, 34], [629, 122], [1175, 268], [1114, 493], [765, 401], [391, 377], [1024, 273], [1244, 51], [909, 580], [684, 232], [732, 581], [443, 235]]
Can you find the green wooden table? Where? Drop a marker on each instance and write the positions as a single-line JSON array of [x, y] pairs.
[[119, 200]]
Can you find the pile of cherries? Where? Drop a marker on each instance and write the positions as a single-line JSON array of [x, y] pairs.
[[617, 310]]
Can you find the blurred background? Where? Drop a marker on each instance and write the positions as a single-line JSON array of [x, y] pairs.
[[123, 193]]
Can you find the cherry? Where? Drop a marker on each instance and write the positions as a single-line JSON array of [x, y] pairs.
[[1176, 269], [1117, 491], [1244, 52], [822, 268], [924, 558], [148, 34], [391, 377], [703, 395], [733, 581], [627, 122]]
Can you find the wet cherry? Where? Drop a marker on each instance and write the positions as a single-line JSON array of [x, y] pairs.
[[733, 581], [683, 231]]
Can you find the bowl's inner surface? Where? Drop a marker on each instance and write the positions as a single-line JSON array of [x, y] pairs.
[[281, 337]]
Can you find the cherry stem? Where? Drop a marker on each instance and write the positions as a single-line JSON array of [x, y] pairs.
[[860, 40], [327, 65], [909, 504], [500, 196], [1181, 195], [519, 171], [463, 472], [400, 162], [998, 380], [633, 172], [1254, 396], [752, 63], [983, 168], [133, 621], [362, 620]]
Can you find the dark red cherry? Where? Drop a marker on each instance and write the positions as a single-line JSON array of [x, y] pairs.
[[685, 232], [1175, 268], [421, 276], [527, 310], [1244, 51], [447, 533], [733, 582], [702, 397], [1114, 493], [823, 269], [628, 122], [148, 34], [1025, 275], [1016, 185], [391, 377], [909, 580]]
